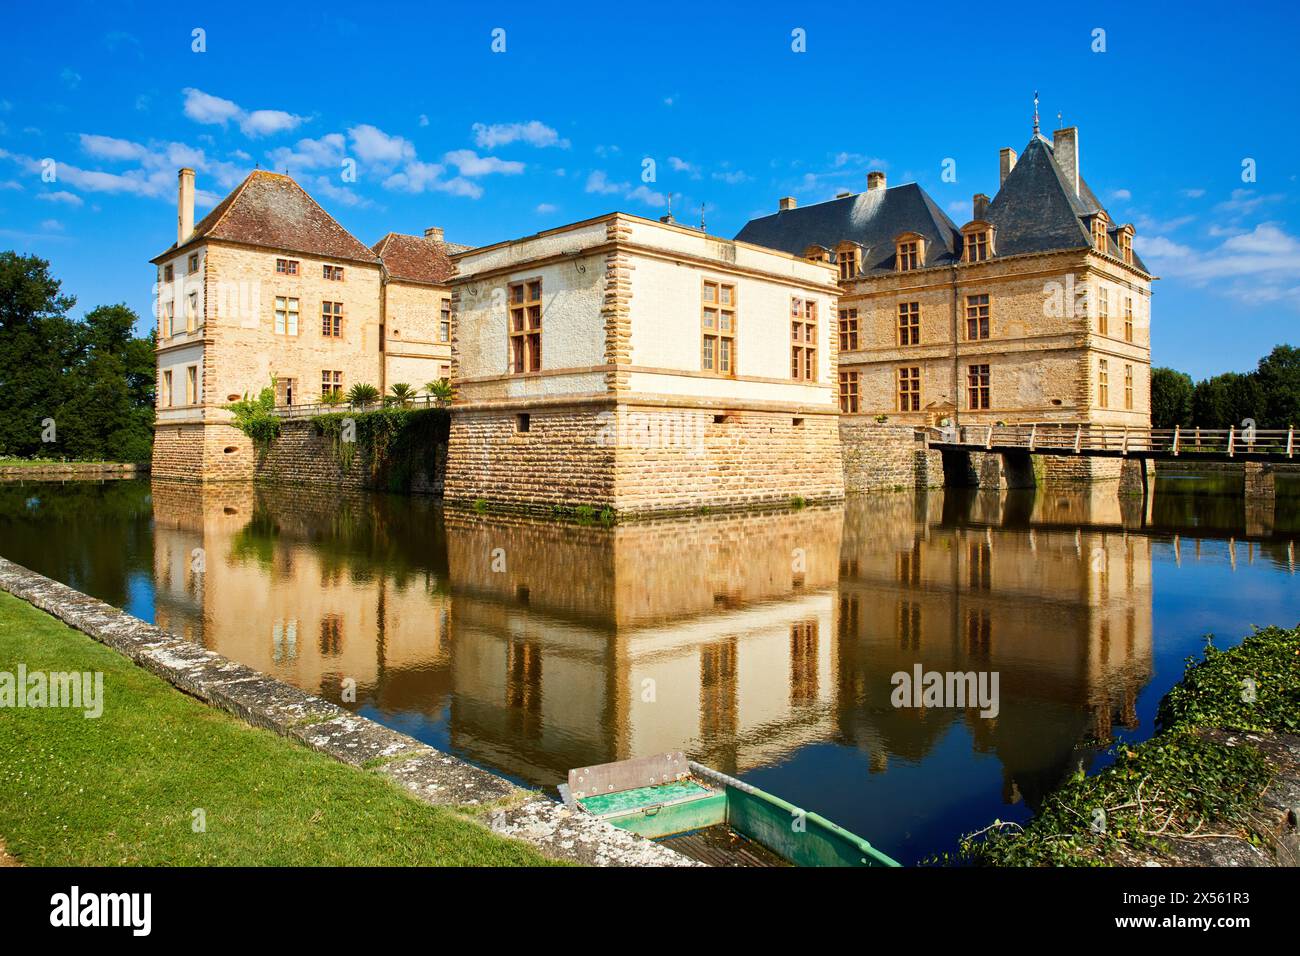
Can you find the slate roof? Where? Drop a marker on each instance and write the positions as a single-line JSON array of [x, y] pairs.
[[1034, 211], [417, 258], [872, 219], [271, 210]]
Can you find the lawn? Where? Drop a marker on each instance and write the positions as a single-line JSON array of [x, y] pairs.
[[123, 788]]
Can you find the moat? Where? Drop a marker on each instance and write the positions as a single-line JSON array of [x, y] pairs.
[[762, 645]]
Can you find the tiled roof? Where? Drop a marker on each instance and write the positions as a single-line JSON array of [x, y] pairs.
[[872, 219], [271, 210], [417, 258]]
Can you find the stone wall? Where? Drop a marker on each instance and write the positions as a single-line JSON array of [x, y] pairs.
[[883, 456], [202, 453], [301, 456]]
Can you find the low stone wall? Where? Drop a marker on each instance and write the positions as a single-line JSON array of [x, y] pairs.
[[199, 452], [71, 471], [884, 456], [427, 774], [303, 456]]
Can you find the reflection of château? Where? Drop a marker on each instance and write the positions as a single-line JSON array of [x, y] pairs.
[[536, 646]]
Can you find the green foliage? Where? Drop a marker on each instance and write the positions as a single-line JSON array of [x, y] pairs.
[[93, 377], [1171, 398], [402, 393], [1270, 395], [397, 444], [332, 398], [362, 394], [440, 390], [798, 502], [480, 505], [255, 418], [1179, 781]]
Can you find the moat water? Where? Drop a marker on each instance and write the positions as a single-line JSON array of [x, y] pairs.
[[762, 645]]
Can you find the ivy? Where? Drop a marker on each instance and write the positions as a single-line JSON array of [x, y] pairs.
[[256, 418], [397, 445]]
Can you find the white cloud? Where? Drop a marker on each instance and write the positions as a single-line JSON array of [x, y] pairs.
[[418, 177], [51, 225], [732, 177], [1193, 193], [534, 133], [63, 196], [373, 145], [598, 182], [1255, 266], [546, 208], [327, 151], [1122, 195], [424, 120], [11, 184], [70, 77], [216, 111], [470, 163], [108, 147], [648, 196], [268, 123]]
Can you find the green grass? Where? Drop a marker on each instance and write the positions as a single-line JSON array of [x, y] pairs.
[[121, 789]]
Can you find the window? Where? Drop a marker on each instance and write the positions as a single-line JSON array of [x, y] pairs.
[[331, 382], [286, 316], [976, 245], [909, 389], [1128, 387], [849, 392], [817, 253], [333, 273], [977, 317], [285, 389], [191, 311], [286, 267], [1125, 237], [1103, 311], [169, 398], [194, 262], [444, 321], [909, 323], [848, 262], [169, 318], [523, 422], [526, 326], [1128, 318], [1103, 383], [803, 339], [977, 387], [191, 384], [909, 255], [169, 273], [718, 326], [848, 330], [331, 319], [1099, 230]]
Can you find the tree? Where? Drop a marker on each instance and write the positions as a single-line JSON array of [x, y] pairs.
[[1279, 383], [1171, 398], [108, 411], [363, 393], [36, 344]]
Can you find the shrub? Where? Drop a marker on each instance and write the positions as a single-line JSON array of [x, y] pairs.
[[362, 394], [256, 418], [440, 390], [402, 393]]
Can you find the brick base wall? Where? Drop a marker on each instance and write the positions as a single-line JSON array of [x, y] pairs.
[[202, 453], [642, 459], [302, 457], [1066, 468]]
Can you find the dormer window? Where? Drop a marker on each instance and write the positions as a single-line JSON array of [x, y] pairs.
[[977, 241], [909, 252], [848, 256], [817, 253], [1125, 239], [1100, 229]]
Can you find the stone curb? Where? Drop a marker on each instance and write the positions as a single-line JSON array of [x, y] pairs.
[[262, 701]]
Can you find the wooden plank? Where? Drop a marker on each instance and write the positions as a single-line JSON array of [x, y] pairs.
[[627, 774]]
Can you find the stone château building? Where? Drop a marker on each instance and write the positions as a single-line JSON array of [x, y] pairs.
[[269, 290]]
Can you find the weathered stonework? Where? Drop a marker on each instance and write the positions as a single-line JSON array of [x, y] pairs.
[[884, 456]]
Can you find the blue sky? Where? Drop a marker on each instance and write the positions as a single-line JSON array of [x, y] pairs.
[[445, 131]]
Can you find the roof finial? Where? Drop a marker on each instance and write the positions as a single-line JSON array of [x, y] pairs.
[[702, 229], [1035, 112], [1060, 121], [670, 205]]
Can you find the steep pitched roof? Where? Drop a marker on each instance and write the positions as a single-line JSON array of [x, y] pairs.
[[1037, 211], [271, 210], [417, 258], [872, 219]]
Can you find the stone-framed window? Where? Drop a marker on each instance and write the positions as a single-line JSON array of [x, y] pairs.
[[1100, 228], [191, 311], [331, 319], [978, 387], [286, 267], [169, 273], [331, 382], [718, 328], [909, 252], [286, 315], [1128, 387], [285, 389], [1103, 311], [444, 321], [849, 260], [194, 262], [909, 388], [803, 339], [168, 395], [1103, 383], [977, 317], [1125, 239], [169, 319], [909, 323], [333, 273], [817, 253], [848, 330], [1128, 318], [849, 389], [191, 385], [525, 303], [977, 242]]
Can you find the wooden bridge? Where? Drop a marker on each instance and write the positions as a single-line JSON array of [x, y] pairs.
[[1120, 441]]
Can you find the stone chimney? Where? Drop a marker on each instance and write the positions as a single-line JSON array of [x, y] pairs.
[[1006, 163], [184, 206], [787, 202], [980, 206], [1065, 147], [434, 233], [875, 180]]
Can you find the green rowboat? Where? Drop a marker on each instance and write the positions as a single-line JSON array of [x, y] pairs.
[[712, 817]]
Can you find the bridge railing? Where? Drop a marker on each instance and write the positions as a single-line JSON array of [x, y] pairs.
[[1084, 437], [321, 408]]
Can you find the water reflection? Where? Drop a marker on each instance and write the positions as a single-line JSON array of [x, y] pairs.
[[761, 644]]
